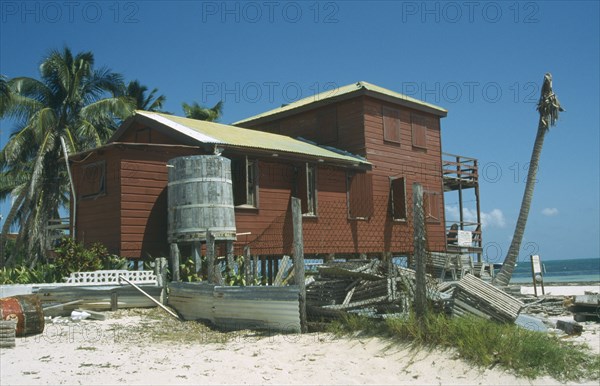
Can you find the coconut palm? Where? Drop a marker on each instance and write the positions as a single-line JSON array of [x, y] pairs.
[[71, 101], [4, 95], [142, 99], [195, 111], [549, 108]]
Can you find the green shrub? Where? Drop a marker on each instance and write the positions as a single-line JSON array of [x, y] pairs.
[[484, 343], [72, 256]]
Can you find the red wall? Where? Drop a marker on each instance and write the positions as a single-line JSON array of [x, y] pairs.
[[131, 218]]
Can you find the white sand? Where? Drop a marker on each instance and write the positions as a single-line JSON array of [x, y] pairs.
[[561, 290], [92, 353]]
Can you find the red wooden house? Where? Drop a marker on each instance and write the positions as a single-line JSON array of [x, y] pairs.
[[361, 149]]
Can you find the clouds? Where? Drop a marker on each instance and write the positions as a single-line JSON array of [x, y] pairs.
[[550, 212], [493, 219]]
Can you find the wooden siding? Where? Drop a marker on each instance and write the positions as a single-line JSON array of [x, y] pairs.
[[403, 159], [131, 216], [92, 223], [360, 127]]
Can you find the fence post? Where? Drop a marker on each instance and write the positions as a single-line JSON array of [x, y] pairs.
[[160, 269], [419, 251], [299, 259], [230, 256], [247, 263]]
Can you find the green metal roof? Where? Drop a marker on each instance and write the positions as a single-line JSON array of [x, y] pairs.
[[220, 134], [340, 92]]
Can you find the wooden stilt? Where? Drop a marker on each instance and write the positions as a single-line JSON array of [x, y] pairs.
[[210, 257], [175, 262]]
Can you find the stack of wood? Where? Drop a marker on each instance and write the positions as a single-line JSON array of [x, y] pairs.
[[371, 287], [547, 305], [586, 308], [7, 333], [474, 296]]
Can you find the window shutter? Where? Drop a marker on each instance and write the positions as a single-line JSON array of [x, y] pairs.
[[391, 124], [93, 179], [238, 178], [360, 196], [419, 130], [302, 187], [432, 206]]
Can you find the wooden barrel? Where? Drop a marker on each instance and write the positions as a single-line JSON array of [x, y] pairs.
[[200, 195], [26, 310]]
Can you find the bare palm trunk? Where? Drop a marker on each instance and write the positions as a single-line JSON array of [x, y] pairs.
[[6, 228], [548, 107], [505, 274]]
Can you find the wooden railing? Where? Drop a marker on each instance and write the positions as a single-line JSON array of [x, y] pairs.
[[460, 168], [473, 227]]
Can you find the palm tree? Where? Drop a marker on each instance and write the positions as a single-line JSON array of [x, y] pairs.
[[195, 111], [549, 108], [4, 95], [72, 101], [143, 101]]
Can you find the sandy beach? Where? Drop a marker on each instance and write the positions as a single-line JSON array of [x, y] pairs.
[[116, 351]]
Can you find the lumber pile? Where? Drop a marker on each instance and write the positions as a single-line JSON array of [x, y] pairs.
[[362, 286], [474, 296], [547, 305]]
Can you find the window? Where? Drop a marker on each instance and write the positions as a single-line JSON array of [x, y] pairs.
[[359, 195], [307, 189], [244, 174], [431, 205], [391, 124], [93, 180], [419, 125], [398, 198]]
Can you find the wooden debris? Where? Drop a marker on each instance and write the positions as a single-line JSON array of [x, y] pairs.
[[8, 329], [363, 286], [98, 297], [586, 308], [476, 297], [571, 328]]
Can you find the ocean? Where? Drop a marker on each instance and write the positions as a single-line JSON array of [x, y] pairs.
[[560, 271], [555, 271]]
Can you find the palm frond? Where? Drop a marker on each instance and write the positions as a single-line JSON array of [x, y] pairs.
[[548, 105]]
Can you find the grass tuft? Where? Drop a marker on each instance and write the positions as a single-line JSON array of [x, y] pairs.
[[484, 343]]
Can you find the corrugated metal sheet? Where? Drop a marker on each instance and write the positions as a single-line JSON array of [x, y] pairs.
[[193, 301], [98, 297], [345, 90], [216, 133], [273, 308]]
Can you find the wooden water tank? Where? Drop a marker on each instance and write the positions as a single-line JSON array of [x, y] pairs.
[[200, 196]]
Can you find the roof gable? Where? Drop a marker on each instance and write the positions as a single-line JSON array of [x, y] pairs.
[[192, 131], [346, 92]]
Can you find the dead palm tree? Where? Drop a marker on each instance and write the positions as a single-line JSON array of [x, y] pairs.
[[548, 107]]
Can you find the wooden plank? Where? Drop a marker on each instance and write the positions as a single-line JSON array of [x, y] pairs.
[[282, 270]]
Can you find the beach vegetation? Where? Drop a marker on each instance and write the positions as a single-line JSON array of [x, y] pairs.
[[484, 343]]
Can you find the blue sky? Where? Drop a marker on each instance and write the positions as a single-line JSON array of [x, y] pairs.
[[483, 61]]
